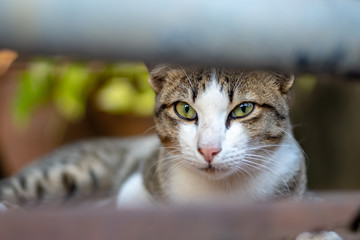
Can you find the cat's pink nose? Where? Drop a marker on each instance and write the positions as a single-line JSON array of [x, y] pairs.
[[209, 152]]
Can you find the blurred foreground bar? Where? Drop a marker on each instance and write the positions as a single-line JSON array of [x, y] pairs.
[[261, 221], [307, 35]]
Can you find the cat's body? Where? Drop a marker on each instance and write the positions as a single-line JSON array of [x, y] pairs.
[[236, 146], [223, 136]]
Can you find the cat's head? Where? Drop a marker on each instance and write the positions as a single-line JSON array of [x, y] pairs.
[[218, 121]]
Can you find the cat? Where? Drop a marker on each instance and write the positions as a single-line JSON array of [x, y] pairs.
[[223, 135]]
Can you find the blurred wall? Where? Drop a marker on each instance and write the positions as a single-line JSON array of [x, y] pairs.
[[326, 119]]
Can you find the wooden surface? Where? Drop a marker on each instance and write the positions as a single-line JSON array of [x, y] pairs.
[[260, 221]]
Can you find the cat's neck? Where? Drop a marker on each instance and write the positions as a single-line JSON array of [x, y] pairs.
[[184, 185]]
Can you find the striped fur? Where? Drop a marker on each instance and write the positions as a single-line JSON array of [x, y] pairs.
[[88, 170], [259, 159]]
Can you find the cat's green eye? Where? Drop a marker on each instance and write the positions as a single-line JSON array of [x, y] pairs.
[[242, 110], [185, 111]]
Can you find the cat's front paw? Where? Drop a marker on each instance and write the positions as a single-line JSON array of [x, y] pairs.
[[319, 236]]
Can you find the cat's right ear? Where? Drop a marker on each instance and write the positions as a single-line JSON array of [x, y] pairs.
[[286, 81], [158, 73]]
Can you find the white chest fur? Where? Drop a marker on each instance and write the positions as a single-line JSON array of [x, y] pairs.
[[133, 192]]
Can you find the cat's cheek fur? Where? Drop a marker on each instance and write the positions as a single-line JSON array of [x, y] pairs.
[[234, 146], [236, 137]]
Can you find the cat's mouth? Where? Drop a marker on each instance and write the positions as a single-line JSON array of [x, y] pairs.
[[209, 169], [215, 172]]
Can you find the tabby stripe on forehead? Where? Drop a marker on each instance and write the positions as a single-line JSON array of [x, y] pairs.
[[277, 114], [195, 93], [231, 95]]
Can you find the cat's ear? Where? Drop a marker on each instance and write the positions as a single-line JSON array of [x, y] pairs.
[[286, 81], [150, 65], [158, 73]]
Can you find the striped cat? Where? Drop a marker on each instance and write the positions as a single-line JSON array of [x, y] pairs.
[[223, 135]]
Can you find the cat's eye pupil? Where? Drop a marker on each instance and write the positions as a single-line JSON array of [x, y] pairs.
[[243, 108], [187, 108]]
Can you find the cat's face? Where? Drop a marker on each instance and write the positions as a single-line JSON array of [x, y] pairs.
[[218, 121]]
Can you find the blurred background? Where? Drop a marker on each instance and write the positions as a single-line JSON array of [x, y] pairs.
[[47, 102]]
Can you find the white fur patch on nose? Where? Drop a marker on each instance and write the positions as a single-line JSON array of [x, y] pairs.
[[210, 136], [212, 107]]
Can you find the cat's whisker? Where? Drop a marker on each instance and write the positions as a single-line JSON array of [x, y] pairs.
[[187, 76], [175, 159], [238, 80], [294, 141], [181, 86], [250, 165], [238, 157], [260, 147], [174, 166], [255, 161], [170, 159], [236, 152], [260, 157], [264, 149], [269, 172], [243, 170], [172, 152], [163, 147], [149, 129], [261, 166]]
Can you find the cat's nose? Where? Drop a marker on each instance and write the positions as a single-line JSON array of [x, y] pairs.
[[209, 152]]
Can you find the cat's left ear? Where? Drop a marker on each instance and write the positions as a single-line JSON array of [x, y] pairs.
[[158, 73], [150, 66], [286, 81]]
